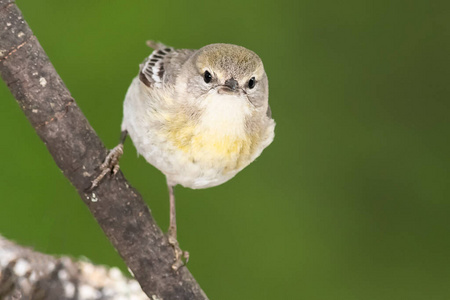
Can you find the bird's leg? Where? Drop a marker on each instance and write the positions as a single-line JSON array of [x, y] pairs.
[[111, 162], [173, 217], [172, 232]]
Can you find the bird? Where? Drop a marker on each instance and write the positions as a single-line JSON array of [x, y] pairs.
[[198, 116]]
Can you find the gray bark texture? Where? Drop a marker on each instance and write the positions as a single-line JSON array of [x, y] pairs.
[[77, 150], [29, 275]]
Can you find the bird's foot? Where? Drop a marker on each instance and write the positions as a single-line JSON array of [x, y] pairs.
[[110, 165], [181, 257]]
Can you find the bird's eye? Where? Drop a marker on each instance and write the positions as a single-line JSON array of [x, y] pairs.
[[251, 83], [207, 77]]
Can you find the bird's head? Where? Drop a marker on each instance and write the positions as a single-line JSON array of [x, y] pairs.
[[224, 72]]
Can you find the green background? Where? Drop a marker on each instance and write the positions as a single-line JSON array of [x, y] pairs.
[[351, 201]]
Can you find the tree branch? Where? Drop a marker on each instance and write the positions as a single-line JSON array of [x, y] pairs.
[[77, 150], [26, 274]]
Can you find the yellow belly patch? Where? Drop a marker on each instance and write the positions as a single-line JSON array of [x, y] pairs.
[[210, 146]]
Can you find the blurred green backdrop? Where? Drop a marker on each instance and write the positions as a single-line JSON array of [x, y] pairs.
[[351, 201]]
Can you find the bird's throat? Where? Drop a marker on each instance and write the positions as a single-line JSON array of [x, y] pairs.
[[219, 134]]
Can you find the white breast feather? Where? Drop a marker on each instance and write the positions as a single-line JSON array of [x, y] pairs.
[[225, 114]]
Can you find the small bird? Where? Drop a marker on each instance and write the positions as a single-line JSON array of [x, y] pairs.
[[199, 116]]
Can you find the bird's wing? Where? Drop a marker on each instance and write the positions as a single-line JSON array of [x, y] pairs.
[[269, 112], [163, 65]]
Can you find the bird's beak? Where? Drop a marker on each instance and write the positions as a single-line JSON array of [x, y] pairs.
[[230, 86]]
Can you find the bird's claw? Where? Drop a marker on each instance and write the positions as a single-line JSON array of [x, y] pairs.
[[110, 165], [181, 257]]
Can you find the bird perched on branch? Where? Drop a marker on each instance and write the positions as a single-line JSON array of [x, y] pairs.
[[199, 116]]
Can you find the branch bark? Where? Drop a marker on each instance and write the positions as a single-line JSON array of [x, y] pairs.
[[77, 150], [27, 274]]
